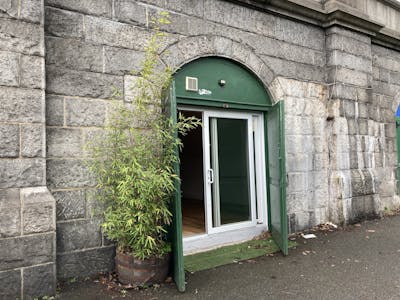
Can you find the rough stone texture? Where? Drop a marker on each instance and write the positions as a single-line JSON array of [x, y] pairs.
[[122, 61], [349, 61], [359, 137], [93, 7], [10, 283], [336, 41], [361, 183], [21, 105], [21, 37], [9, 137], [77, 235], [294, 70], [39, 281], [31, 11], [32, 137], [38, 218], [111, 33], [344, 75], [27, 209], [131, 12], [70, 205], [382, 109], [9, 66], [32, 72], [26, 251], [10, 213], [54, 110], [64, 142], [63, 23], [286, 51], [22, 172], [74, 54], [85, 263], [68, 173], [38, 210], [85, 112], [10, 7], [78, 83]]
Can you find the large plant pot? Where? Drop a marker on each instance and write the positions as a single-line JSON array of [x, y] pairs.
[[137, 272]]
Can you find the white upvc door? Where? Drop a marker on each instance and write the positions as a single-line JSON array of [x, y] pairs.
[[229, 170], [235, 194]]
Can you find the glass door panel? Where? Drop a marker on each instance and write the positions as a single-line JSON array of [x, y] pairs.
[[230, 163], [230, 169]]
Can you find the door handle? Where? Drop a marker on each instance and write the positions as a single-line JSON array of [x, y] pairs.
[[210, 176]]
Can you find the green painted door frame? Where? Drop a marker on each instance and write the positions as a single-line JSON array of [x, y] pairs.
[[241, 91], [175, 233], [275, 158]]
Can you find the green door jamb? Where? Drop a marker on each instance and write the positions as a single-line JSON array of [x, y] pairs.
[[176, 234], [275, 129], [267, 169]]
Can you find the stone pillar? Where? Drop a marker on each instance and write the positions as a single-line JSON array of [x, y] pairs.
[[353, 134], [386, 98], [85, 53], [27, 209]]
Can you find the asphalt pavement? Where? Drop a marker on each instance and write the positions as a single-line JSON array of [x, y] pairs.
[[355, 262]]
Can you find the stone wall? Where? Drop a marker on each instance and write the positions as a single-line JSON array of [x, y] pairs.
[[335, 147], [27, 209], [307, 151], [384, 103], [91, 48], [363, 168], [354, 135], [81, 75], [339, 87], [378, 11]]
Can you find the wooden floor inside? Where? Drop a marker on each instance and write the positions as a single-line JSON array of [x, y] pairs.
[[193, 217]]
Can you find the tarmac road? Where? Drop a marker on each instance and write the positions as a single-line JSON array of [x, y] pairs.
[[358, 262]]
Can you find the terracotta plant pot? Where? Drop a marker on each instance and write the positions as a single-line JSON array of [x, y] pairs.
[[137, 272]]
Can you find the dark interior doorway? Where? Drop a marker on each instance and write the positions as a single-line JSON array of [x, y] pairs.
[[192, 181]]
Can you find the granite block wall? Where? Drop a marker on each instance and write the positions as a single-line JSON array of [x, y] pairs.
[[335, 147], [363, 178], [352, 135], [92, 48], [61, 62], [27, 209], [384, 103]]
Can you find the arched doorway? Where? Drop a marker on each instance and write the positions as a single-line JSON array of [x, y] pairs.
[[233, 167]]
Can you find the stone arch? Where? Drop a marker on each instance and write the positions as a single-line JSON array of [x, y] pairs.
[[194, 47]]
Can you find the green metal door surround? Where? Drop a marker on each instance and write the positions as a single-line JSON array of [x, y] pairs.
[[224, 84], [221, 83], [277, 176], [175, 233]]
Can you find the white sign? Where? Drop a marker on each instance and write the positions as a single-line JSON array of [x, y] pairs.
[[204, 92]]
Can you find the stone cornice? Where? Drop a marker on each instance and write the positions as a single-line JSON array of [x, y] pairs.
[[394, 3], [330, 13]]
